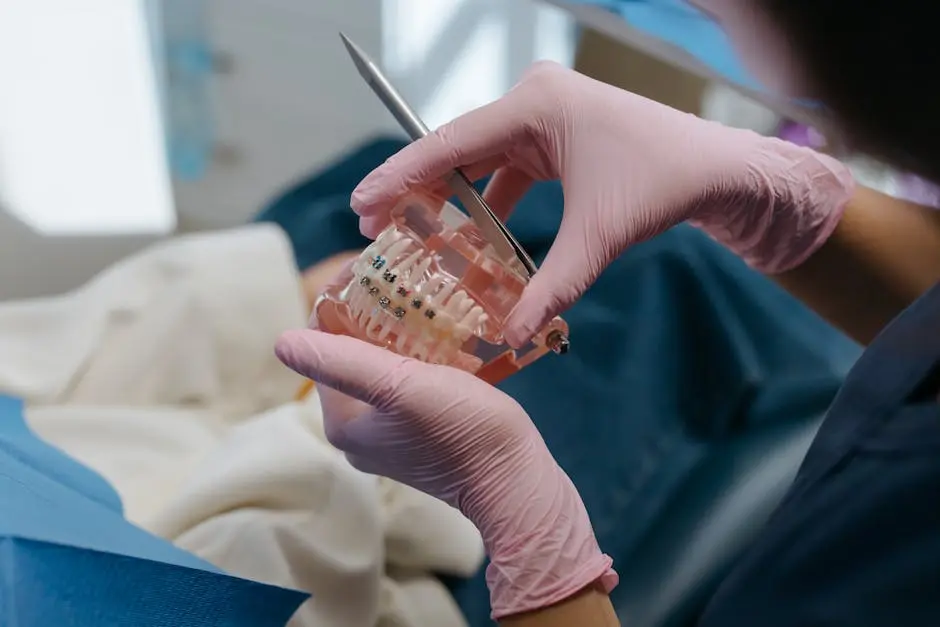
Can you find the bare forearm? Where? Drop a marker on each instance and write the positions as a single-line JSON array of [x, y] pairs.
[[883, 255], [589, 608]]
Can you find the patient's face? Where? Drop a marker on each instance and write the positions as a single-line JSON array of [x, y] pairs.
[[762, 48]]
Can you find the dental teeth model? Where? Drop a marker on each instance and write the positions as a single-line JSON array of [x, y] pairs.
[[431, 288]]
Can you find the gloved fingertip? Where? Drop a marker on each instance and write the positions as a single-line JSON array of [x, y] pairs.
[[284, 349], [368, 194], [372, 226], [535, 309], [294, 351], [363, 198], [521, 326]]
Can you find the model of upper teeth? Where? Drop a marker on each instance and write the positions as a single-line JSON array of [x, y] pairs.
[[397, 297]]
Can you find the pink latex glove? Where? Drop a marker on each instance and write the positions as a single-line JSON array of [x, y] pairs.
[[449, 434], [631, 168]]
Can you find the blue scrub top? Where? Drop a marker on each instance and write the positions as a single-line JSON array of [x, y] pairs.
[[857, 540]]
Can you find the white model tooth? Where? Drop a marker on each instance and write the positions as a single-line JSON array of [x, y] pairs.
[[361, 317], [378, 315], [464, 307], [362, 269], [364, 304], [384, 330], [421, 345], [454, 304], [397, 249], [384, 243], [378, 247], [457, 313], [400, 273], [353, 311], [420, 348], [354, 304], [472, 318], [366, 301], [378, 331], [369, 319], [405, 265], [427, 292], [426, 353], [371, 329], [441, 297], [420, 269], [380, 326], [371, 251], [447, 305], [357, 301], [400, 344]]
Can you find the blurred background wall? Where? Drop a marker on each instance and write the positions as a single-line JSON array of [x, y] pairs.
[[244, 95], [125, 121]]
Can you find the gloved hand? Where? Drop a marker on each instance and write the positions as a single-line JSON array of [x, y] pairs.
[[631, 168], [449, 434]]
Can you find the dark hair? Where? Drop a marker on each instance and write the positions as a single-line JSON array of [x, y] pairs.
[[875, 67]]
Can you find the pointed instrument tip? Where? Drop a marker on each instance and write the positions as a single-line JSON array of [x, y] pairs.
[[358, 56]]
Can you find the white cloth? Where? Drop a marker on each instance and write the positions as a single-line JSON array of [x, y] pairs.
[[160, 375]]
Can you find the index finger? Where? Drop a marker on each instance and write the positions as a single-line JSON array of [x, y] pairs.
[[473, 137], [347, 365]]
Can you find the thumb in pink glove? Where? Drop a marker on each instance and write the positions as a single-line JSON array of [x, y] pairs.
[[449, 434], [631, 168]]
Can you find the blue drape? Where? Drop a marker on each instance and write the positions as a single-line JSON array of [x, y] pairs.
[[70, 558]]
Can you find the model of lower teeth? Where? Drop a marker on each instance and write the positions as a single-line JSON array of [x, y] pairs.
[[430, 287]]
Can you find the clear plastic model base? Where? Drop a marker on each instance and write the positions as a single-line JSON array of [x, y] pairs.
[[430, 287]]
